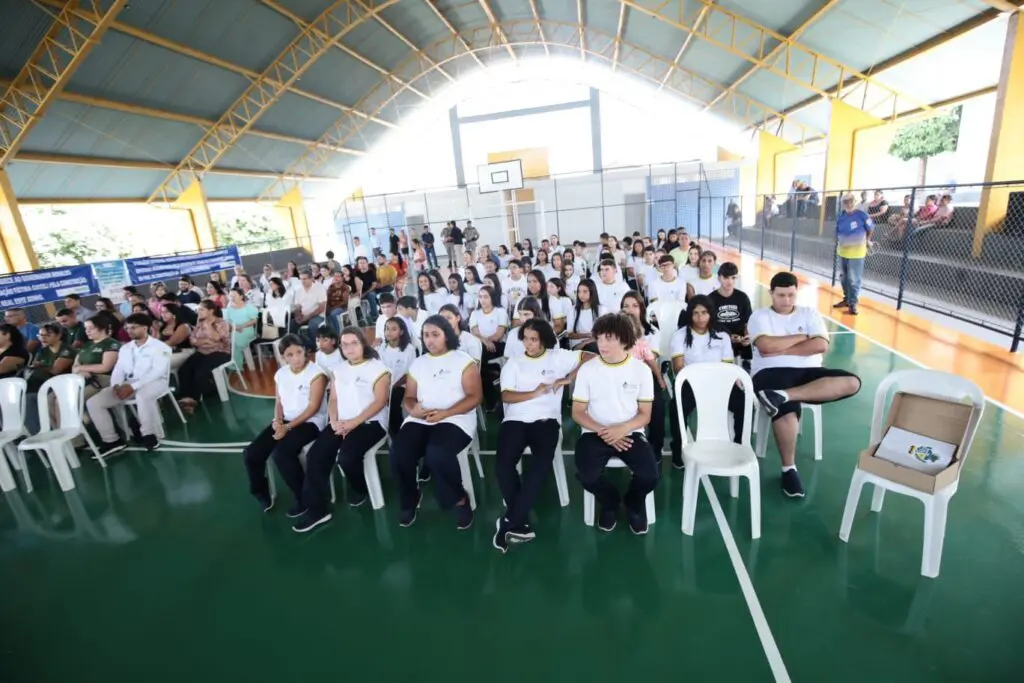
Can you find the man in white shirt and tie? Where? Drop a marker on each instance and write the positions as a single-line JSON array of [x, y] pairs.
[[141, 374]]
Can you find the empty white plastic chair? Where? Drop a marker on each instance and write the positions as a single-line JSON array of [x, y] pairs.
[[220, 374], [12, 411], [55, 444], [763, 428], [558, 467], [713, 453], [667, 314], [935, 384]]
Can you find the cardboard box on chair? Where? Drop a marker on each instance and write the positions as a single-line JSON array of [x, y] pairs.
[[931, 418]]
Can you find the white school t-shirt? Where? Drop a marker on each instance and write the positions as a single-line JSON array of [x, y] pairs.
[[610, 296], [584, 324], [612, 392], [329, 361], [514, 291], [378, 329], [560, 307], [488, 323], [660, 290], [293, 392], [433, 301], [549, 271], [397, 361], [525, 373], [649, 273], [704, 349], [354, 385], [687, 272], [464, 308], [513, 345], [703, 285], [439, 386], [765, 322], [471, 345]]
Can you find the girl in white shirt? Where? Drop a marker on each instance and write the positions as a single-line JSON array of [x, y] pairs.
[[544, 265], [278, 303], [584, 314], [536, 288], [612, 405], [327, 354], [571, 279], [531, 389], [559, 304], [467, 342], [429, 299], [691, 269], [457, 295], [397, 353], [646, 350], [529, 308], [698, 340], [494, 280], [298, 418], [357, 409], [488, 323], [473, 283], [441, 395], [556, 266]]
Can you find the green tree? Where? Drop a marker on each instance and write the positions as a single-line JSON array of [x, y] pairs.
[[925, 139], [251, 231], [61, 250]]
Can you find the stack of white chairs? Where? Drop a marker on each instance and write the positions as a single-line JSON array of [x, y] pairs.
[[933, 383], [54, 444], [713, 452]]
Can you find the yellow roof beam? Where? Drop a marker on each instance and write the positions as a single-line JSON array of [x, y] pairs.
[[520, 32], [455, 34], [486, 6], [61, 51], [582, 27], [320, 36], [540, 28], [405, 39], [618, 36], [1002, 5], [701, 17]]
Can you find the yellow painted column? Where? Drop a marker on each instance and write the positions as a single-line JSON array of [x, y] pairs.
[[193, 200], [769, 147], [16, 252], [844, 122], [725, 155], [293, 209], [1006, 153]]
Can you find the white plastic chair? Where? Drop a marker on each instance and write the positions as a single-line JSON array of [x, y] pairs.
[[667, 313], [12, 411], [764, 430], [370, 471], [589, 502], [220, 373], [272, 343], [935, 384], [69, 391], [474, 448], [558, 466], [713, 452], [467, 474], [122, 410]]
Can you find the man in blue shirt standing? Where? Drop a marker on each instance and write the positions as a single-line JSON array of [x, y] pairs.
[[428, 247], [853, 230], [29, 330]]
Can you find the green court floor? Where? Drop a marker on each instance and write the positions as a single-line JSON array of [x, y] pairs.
[[162, 568]]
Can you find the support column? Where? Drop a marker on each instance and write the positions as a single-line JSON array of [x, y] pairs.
[[768, 148], [453, 122], [1005, 160], [595, 128], [844, 122], [293, 209], [193, 200], [16, 252]]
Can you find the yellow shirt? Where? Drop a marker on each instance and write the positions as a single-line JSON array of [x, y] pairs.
[[386, 275]]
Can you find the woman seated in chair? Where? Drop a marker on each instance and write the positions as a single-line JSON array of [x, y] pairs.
[[176, 332], [646, 350], [357, 415], [698, 341], [242, 317], [13, 355], [531, 389], [528, 308], [467, 342], [397, 353], [612, 405], [98, 357], [299, 415], [53, 358], [582, 317], [441, 395], [489, 323], [211, 339]]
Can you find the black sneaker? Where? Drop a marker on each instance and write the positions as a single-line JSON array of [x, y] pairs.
[[771, 401], [500, 540], [463, 516], [842, 304], [357, 499], [308, 522], [109, 448], [296, 510], [266, 502], [521, 534], [678, 463], [424, 474], [150, 442], [606, 520], [637, 521], [853, 310], [406, 517], [791, 485]]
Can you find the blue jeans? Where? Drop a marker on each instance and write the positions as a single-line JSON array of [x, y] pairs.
[[314, 327], [852, 273], [335, 319]]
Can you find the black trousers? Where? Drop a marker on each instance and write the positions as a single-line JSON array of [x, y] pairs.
[[195, 376], [395, 416], [541, 438], [348, 452], [592, 455], [286, 456], [489, 373], [689, 403], [439, 444], [656, 427], [787, 378]]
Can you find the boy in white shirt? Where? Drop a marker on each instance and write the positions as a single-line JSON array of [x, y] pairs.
[[705, 282], [388, 309], [328, 356], [667, 286], [515, 286], [612, 403], [789, 341], [610, 289], [408, 312]]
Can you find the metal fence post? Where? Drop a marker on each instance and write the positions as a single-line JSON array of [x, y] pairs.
[[835, 250], [763, 224], [1018, 328], [558, 227], [699, 202], [792, 242], [908, 235], [600, 175], [725, 221], [675, 196], [741, 225]]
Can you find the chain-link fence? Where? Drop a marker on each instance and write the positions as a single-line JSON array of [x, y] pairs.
[[958, 251]]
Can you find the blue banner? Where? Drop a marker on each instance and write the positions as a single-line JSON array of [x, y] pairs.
[[45, 286], [148, 269]]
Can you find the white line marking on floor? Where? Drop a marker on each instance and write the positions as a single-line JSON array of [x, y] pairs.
[[195, 444], [764, 632], [177, 449]]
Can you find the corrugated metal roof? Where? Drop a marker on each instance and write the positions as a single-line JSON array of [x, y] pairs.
[[24, 25], [416, 22], [261, 154], [307, 9], [63, 181], [339, 77], [374, 42], [298, 116]]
